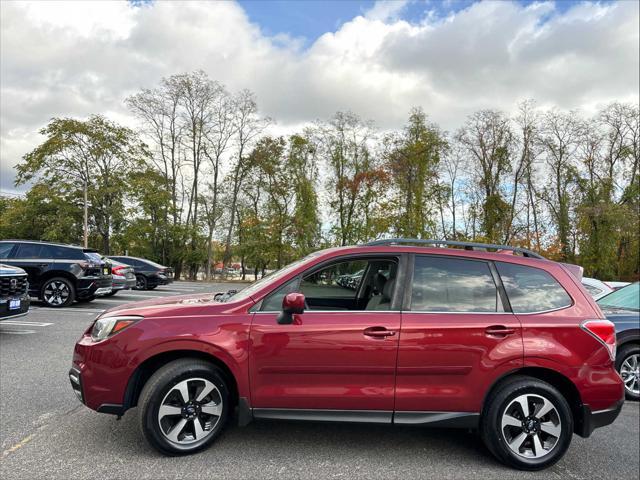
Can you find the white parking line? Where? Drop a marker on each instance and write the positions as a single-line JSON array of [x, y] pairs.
[[66, 309], [25, 323], [16, 332]]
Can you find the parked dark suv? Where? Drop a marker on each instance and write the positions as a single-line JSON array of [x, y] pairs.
[[58, 274], [148, 274], [511, 345], [14, 295]]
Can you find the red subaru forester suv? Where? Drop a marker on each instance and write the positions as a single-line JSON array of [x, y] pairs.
[[393, 331]]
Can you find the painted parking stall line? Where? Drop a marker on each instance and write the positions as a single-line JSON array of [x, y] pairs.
[[26, 323], [20, 323]]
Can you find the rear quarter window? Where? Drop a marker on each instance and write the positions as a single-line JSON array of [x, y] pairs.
[[532, 289]]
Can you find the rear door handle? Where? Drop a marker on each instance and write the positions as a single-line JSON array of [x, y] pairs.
[[378, 332], [499, 331]]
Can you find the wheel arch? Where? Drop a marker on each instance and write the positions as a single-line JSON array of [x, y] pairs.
[[149, 366], [564, 385], [45, 277]]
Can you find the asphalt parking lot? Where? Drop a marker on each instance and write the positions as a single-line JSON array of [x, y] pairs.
[[46, 433]]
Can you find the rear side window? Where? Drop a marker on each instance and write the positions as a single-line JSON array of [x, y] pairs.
[[531, 289], [453, 285], [28, 250]]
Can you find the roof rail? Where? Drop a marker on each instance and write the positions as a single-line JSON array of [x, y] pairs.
[[454, 243]]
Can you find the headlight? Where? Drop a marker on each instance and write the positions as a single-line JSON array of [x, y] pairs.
[[107, 326]]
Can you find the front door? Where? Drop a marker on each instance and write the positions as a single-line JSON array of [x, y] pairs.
[[456, 339], [338, 355]]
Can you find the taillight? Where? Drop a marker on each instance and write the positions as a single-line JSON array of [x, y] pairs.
[[604, 331], [117, 269]]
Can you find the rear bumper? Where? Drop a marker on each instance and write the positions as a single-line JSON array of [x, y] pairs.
[[89, 286], [600, 418]]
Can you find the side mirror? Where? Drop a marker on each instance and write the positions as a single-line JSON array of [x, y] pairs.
[[292, 303]]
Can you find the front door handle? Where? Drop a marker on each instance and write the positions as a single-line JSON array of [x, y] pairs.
[[499, 331], [378, 332]]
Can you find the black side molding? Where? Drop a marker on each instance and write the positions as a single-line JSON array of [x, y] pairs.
[[355, 416], [438, 419]]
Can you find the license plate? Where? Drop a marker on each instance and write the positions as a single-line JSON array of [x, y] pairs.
[[105, 271], [14, 304]]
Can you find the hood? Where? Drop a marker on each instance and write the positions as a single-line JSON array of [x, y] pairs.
[[9, 270], [178, 305]]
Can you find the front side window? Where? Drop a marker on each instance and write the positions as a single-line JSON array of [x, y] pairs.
[[340, 280], [531, 289], [361, 284], [444, 284], [28, 250], [273, 303], [5, 249]]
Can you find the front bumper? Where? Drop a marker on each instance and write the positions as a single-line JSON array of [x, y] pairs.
[[6, 312], [601, 418]]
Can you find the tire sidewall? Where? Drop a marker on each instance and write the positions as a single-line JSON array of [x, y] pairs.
[[70, 299], [492, 431], [150, 424], [623, 354]]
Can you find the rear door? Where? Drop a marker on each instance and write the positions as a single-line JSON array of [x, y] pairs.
[[457, 337], [338, 355]]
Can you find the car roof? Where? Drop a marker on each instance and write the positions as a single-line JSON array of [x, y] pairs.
[[44, 242]]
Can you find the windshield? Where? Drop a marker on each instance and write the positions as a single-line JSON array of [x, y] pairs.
[[273, 276], [627, 298]]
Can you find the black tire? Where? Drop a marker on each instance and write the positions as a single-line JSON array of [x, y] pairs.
[[624, 354], [502, 398], [58, 292], [141, 282], [160, 386]]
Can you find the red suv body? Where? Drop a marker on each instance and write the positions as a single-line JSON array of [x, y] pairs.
[[507, 344]]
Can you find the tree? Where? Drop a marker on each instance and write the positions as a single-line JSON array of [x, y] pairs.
[[95, 155], [558, 139], [353, 176], [247, 125], [412, 160], [489, 140]]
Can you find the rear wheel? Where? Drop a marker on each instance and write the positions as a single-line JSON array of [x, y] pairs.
[[628, 365], [141, 282], [183, 406], [527, 424], [58, 292]]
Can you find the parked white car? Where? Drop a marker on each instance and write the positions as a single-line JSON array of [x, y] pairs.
[[596, 288]]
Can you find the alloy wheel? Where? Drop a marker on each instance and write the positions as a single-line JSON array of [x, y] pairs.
[[190, 411], [531, 426], [56, 293], [630, 373]]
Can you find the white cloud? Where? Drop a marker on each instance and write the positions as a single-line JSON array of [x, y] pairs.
[[74, 59]]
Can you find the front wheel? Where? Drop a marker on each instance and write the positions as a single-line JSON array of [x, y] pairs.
[[58, 292], [628, 365], [183, 407], [527, 424]]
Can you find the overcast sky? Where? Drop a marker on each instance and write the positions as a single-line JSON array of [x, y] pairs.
[[306, 61]]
